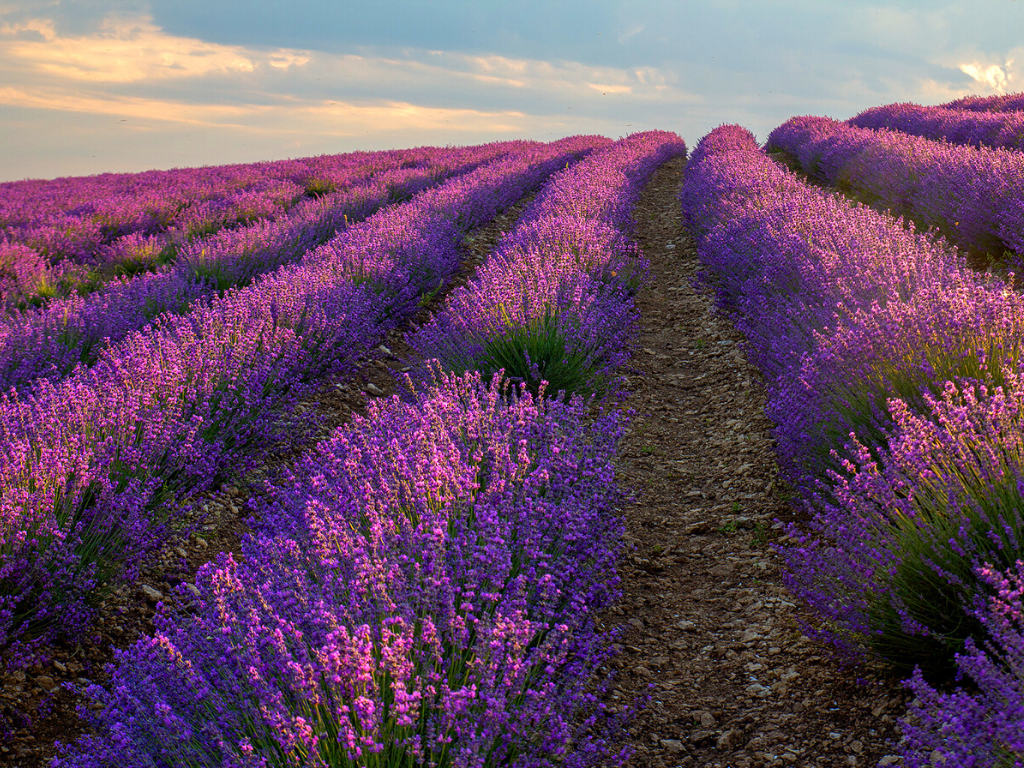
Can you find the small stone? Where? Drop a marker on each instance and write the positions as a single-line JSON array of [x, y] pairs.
[[857, 747], [45, 682], [774, 651], [642, 672], [722, 570], [192, 588], [155, 595], [708, 720], [180, 552], [201, 542], [671, 745], [889, 760], [374, 390], [749, 636], [386, 351], [60, 667], [758, 690], [730, 739], [937, 758], [686, 625]]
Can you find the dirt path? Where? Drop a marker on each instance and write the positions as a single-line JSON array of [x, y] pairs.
[[710, 627]]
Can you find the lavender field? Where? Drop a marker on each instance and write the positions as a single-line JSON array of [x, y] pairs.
[[428, 584]]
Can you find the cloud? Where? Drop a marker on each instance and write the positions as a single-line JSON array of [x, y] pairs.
[[129, 66], [126, 50], [631, 32], [993, 76]]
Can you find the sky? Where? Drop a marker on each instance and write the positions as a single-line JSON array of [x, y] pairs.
[[93, 86]]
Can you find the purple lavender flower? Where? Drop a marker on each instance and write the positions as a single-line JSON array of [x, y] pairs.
[[419, 591], [970, 195], [982, 727]]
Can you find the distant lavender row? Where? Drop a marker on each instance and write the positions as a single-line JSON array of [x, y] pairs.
[[122, 199], [893, 379], [52, 256], [92, 468], [486, 519], [50, 341], [976, 129], [975, 197], [1011, 102], [553, 302]]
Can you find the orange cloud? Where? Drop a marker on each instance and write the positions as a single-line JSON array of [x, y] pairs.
[[133, 50]]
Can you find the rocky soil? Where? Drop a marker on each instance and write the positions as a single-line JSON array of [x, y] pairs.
[[710, 633]]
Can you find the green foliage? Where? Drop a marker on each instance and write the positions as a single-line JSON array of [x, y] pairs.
[[910, 377], [319, 187], [428, 296], [540, 351], [760, 537], [935, 580]]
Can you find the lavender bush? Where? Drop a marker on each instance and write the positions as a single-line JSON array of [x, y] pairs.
[[419, 594], [976, 129], [858, 325], [1010, 102], [982, 727], [971, 196], [553, 303]]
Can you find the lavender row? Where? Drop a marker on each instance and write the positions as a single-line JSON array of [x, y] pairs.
[[83, 219], [893, 376], [1010, 102], [50, 341], [93, 467], [483, 515], [79, 254], [975, 129], [150, 199], [972, 196], [420, 593], [553, 303]]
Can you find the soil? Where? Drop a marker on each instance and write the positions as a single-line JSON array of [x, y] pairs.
[[709, 631]]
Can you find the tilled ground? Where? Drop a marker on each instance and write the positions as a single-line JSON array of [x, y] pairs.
[[712, 633]]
